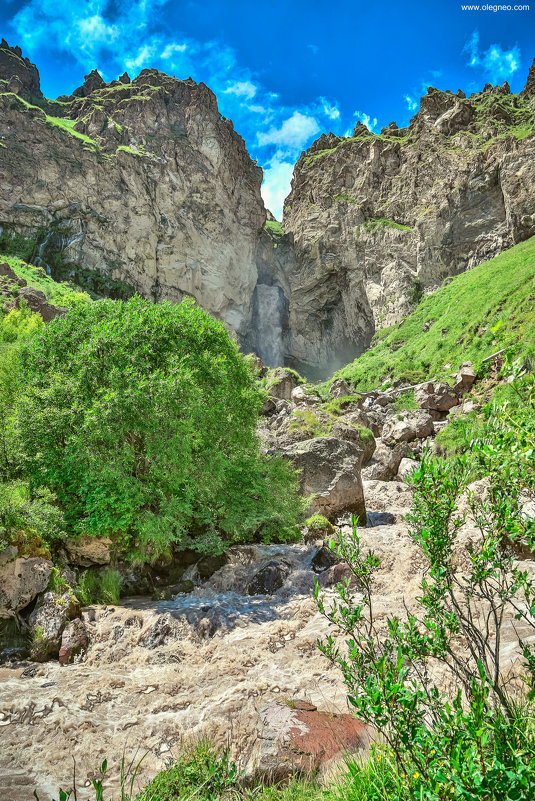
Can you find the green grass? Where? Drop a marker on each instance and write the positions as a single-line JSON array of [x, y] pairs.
[[481, 311], [345, 199], [99, 587], [60, 294], [57, 122], [372, 226]]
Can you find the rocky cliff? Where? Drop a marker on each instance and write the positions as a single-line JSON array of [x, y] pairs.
[[142, 185], [138, 184], [378, 219]]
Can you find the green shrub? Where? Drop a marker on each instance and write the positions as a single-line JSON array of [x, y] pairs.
[[405, 402], [203, 774], [318, 523], [99, 587], [309, 424], [31, 521], [142, 418], [339, 406]]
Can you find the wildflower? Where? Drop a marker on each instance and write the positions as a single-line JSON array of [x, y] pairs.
[[432, 751], [416, 776]]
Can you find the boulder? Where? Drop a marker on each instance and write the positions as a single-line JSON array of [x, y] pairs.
[[269, 579], [88, 551], [330, 470], [359, 436], [406, 466], [74, 641], [296, 738], [21, 580], [413, 425], [339, 388], [324, 559], [437, 396], [385, 462], [168, 592], [48, 621], [283, 383], [37, 303], [208, 565], [465, 378]]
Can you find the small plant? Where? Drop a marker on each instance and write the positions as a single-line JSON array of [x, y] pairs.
[[319, 523]]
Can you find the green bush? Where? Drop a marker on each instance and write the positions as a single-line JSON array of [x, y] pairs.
[[318, 523], [142, 418], [99, 587], [31, 521]]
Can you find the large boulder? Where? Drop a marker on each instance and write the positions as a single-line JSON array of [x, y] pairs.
[[269, 579], [294, 737], [358, 435], [465, 378], [283, 383], [330, 470], [47, 622], [339, 388], [413, 425], [21, 580], [88, 551], [37, 303], [439, 397]]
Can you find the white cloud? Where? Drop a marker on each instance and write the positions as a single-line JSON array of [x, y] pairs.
[[330, 110], [244, 89], [496, 64], [314, 48], [412, 103], [172, 48], [293, 133], [366, 119], [276, 183]]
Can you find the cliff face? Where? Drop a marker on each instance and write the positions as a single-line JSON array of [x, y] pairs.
[[139, 182], [142, 185], [377, 219]]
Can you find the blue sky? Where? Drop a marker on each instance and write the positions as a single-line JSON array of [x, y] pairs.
[[283, 71]]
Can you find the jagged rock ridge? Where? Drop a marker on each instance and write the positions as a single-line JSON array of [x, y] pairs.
[[377, 219], [141, 183]]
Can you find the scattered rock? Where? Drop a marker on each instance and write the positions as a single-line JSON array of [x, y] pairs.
[[339, 388], [363, 439], [324, 559], [438, 396], [301, 396], [74, 641], [283, 383], [406, 466], [37, 303], [330, 470], [162, 632], [166, 593], [465, 378], [413, 425], [385, 463]]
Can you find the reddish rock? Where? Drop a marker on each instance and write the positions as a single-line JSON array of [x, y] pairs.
[[296, 737], [74, 640]]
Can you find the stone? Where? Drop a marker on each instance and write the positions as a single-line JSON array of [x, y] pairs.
[[283, 383], [208, 565], [162, 632], [413, 425], [21, 580], [301, 396], [297, 738], [465, 378], [37, 303], [166, 593], [324, 559], [385, 462], [88, 551], [406, 467], [364, 440], [269, 579], [438, 396], [268, 407], [339, 388], [48, 621], [330, 470], [74, 641]]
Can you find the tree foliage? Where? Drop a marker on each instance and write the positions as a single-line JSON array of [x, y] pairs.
[[142, 418]]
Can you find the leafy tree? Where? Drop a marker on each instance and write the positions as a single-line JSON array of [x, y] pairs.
[[142, 419]]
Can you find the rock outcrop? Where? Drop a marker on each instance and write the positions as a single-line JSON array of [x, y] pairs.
[[378, 219], [141, 185], [133, 186]]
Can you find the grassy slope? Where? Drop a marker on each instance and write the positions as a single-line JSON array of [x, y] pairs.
[[60, 294], [483, 310]]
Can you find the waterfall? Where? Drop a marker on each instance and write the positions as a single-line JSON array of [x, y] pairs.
[[270, 311]]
